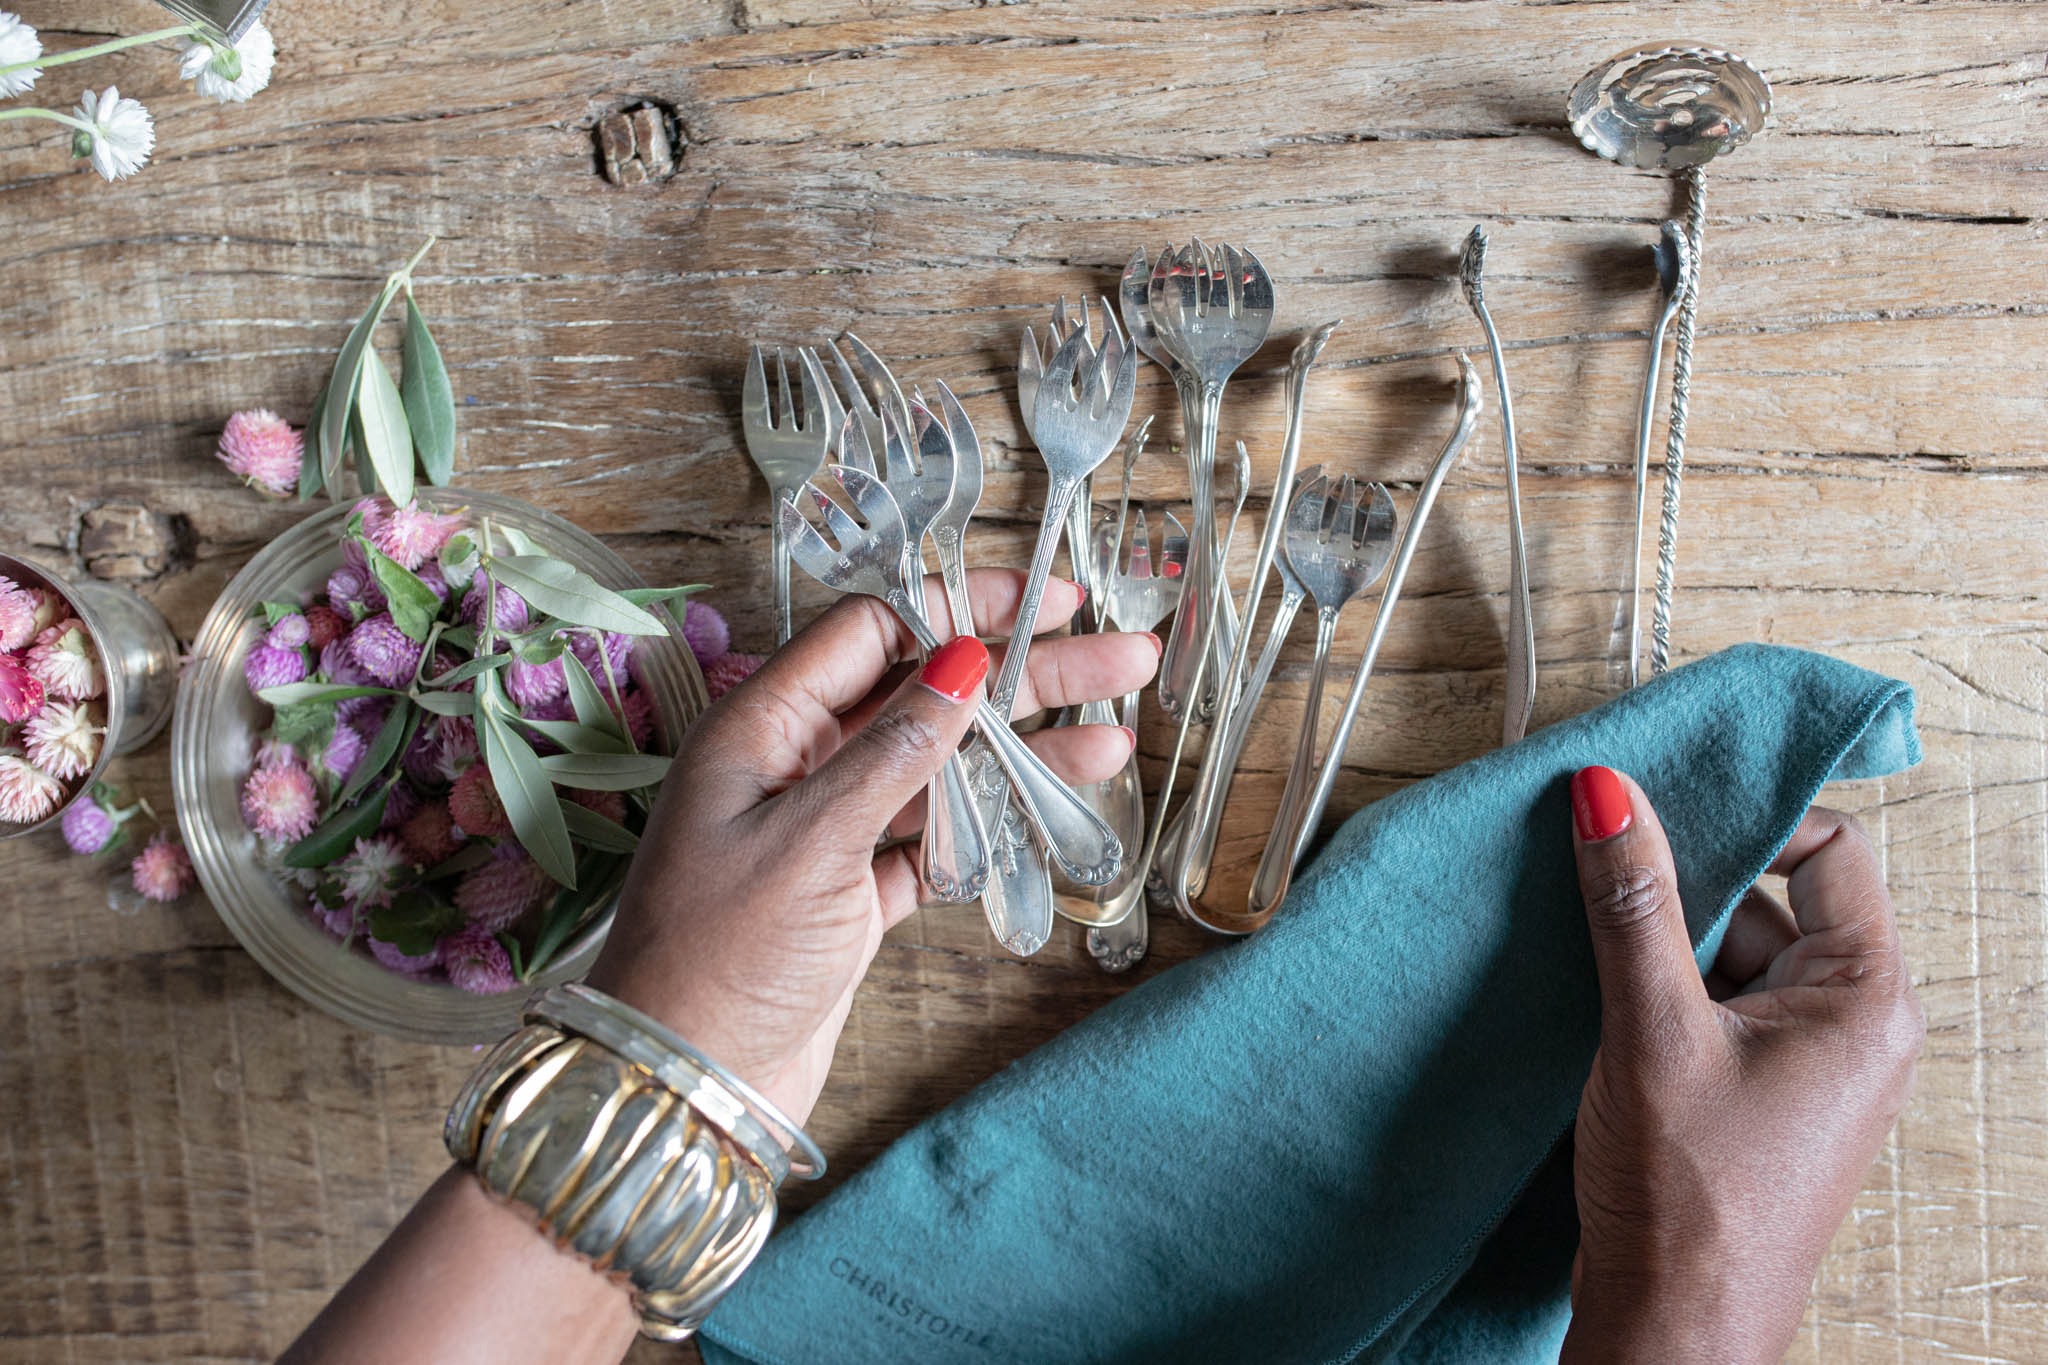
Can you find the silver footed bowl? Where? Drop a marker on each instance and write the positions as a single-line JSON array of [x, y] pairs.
[[213, 741], [1667, 106]]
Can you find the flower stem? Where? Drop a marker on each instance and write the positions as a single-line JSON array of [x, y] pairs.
[[102, 49], [403, 275], [67, 120]]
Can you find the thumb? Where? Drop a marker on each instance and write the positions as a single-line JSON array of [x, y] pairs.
[[885, 763], [1649, 983]]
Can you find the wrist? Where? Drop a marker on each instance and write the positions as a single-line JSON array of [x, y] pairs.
[[1677, 1314]]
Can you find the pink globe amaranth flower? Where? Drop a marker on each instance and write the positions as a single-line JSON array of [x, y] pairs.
[[730, 670], [21, 692], [410, 534], [17, 615], [352, 588], [371, 875], [554, 708], [382, 650], [611, 805], [400, 801], [62, 740], [458, 748], [367, 714], [343, 752], [474, 804], [324, 625], [430, 574], [476, 962], [342, 921], [280, 803], [705, 631], [27, 793], [496, 894], [335, 666], [50, 608], [528, 685], [270, 666], [422, 758], [616, 650], [292, 631], [417, 966], [275, 751], [638, 713], [262, 449], [88, 826], [430, 835], [511, 612], [162, 871], [62, 659]]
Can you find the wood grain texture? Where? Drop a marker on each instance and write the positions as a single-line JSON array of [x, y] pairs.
[[191, 1160]]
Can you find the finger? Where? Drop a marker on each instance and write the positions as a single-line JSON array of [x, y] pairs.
[[1063, 671], [1649, 984], [1758, 930], [886, 762], [1083, 753], [1835, 886]]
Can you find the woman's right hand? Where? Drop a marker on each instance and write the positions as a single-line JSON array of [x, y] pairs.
[[1728, 1123]]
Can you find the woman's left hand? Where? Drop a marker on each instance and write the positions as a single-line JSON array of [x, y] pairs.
[[757, 899]]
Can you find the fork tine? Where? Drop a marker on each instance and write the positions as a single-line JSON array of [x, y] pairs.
[[1236, 263], [857, 401], [807, 546], [822, 413], [754, 393], [844, 528], [785, 407], [859, 447], [875, 503], [1141, 547]]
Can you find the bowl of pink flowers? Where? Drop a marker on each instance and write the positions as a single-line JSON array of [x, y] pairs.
[[415, 748], [86, 672]]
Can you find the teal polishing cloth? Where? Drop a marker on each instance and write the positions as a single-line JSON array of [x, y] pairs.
[[1338, 1139]]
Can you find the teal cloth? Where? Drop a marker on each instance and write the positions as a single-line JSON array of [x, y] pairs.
[[1338, 1139]]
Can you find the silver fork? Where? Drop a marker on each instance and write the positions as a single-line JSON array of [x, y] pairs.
[[949, 528], [1338, 542], [1031, 363], [877, 415], [869, 560], [1211, 311], [785, 448]]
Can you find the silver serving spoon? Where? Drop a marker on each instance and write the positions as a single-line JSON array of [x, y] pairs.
[[1672, 107]]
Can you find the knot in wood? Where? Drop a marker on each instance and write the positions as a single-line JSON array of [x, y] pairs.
[[638, 145], [126, 543]]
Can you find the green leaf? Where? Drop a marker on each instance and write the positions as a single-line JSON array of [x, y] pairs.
[[429, 401], [290, 694], [458, 560], [307, 725], [475, 853], [596, 831], [337, 834], [550, 586], [309, 461], [386, 745], [359, 449], [412, 603], [577, 738], [591, 708], [597, 878], [605, 772], [273, 612], [415, 921], [385, 430], [469, 668], [647, 597], [516, 953], [527, 795], [447, 703], [520, 542], [338, 400]]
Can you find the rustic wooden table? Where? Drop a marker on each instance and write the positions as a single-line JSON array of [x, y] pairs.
[[191, 1160]]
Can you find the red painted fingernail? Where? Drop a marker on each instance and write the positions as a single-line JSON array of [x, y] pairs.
[[1080, 593], [1172, 570], [1158, 645], [956, 669], [1600, 804]]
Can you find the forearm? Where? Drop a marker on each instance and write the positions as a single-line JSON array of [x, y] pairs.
[[467, 1278]]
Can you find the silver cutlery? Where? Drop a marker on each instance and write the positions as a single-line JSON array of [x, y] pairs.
[[787, 448], [949, 528], [869, 559], [1673, 259], [1521, 665], [1210, 311], [1338, 540], [1031, 363], [1672, 107]]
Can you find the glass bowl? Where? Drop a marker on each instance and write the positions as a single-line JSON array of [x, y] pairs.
[[138, 656], [213, 740]]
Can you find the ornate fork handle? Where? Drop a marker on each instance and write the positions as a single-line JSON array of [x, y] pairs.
[[1201, 409]]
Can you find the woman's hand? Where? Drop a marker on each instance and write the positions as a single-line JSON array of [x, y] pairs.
[[1728, 1123], [757, 899]]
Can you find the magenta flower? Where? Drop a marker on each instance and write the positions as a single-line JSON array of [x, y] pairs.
[[371, 875], [262, 450], [511, 611], [400, 803], [410, 534], [279, 802], [638, 712], [21, 692], [430, 574], [343, 752], [270, 666], [458, 748], [616, 650], [495, 895], [352, 588], [17, 615], [476, 962], [88, 826], [558, 707], [414, 965], [324, 625], [705, 631], [27, 793], [381, 649], [728, 671], [62, 740], [292, 631], [528, 685], [62, 659], [162, 871]]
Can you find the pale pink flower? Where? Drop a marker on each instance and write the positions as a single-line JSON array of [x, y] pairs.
[[17, 608], [88, 826], [409, 534], [21, 692], [476, 962], [263, 450], [62, 740], [62, 659], [162, 871], [280, 803], [27, 793], [705, 631], [370, 876]]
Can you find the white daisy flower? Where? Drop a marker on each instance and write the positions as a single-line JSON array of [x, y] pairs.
[[18, 44], [122, 137], [62, 740], [230, 75]]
